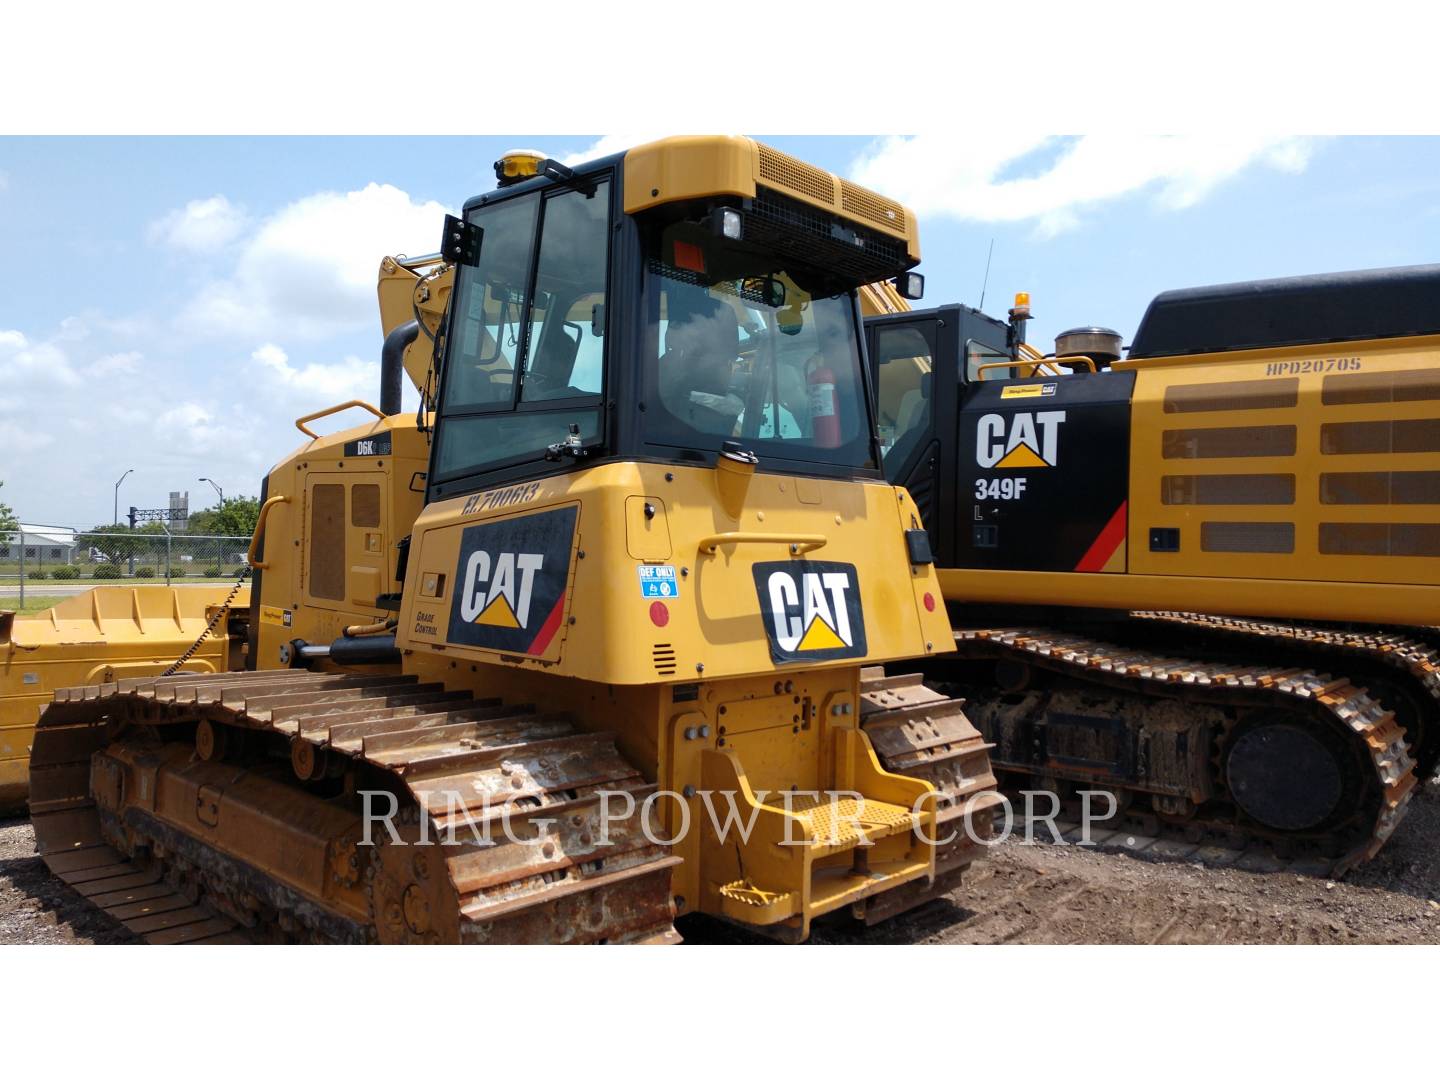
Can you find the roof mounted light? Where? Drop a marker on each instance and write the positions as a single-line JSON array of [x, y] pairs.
[[727, 222], [911, 285]]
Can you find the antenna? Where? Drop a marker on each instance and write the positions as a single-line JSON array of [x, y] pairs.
[[985, 284]]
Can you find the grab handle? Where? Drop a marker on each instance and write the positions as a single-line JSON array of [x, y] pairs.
[[260, 528], [799, 543], [357, 404]]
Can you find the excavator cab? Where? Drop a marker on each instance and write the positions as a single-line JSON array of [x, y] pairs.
[[926, 364]]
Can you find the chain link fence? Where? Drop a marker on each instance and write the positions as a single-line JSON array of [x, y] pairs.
[[36, 560]]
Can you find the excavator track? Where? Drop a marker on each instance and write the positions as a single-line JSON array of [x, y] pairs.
[[1312, 764], [918, 731], [224, 808], [1400, 666]]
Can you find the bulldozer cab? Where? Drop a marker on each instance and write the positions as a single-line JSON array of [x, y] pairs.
[[587, 328]]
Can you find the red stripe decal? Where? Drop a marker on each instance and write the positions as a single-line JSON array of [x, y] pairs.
[[1105, 544], [547, 628]]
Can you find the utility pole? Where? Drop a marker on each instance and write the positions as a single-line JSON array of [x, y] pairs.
[[117, 495], [218, 489]]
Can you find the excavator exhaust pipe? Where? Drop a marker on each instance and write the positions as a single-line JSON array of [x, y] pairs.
[[392, 364]]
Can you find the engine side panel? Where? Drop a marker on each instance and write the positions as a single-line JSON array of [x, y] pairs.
[[1316, 464]]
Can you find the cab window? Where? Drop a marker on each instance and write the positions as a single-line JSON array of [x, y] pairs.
[[977, 355], [746, 344], [522, 364], [905, 362]]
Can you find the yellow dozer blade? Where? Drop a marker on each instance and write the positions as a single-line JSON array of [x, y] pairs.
[[111, 632]]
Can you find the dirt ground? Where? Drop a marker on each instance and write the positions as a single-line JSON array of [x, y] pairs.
[[1020, 893]]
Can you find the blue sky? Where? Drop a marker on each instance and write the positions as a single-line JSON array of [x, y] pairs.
[[171, 304]]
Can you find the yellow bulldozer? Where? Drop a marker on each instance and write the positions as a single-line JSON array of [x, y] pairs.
[[592, 641]]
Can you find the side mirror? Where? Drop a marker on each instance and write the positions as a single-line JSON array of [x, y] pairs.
[[597, 320], [911, 285], [768, 290]]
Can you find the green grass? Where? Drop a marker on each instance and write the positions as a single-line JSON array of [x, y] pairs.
[[32, 603]]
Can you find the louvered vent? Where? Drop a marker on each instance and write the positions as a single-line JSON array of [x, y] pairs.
[[664, 657], [792, 173], [889, 215]]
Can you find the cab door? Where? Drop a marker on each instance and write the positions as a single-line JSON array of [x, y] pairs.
[[903, 355]]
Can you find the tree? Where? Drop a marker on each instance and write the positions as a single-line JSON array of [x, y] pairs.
[[233, 517], [119, 542], [115, 542], [8, 523]]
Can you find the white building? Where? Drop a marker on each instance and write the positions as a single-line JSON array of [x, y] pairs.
[[43, 544]]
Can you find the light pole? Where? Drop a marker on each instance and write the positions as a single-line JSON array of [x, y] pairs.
[[117, 494], [218, 489]]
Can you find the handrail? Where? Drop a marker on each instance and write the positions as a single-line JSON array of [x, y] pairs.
[[1040, 358], [1033, 364], [982, 368], [260, 529], [357, 404], [799, 542]]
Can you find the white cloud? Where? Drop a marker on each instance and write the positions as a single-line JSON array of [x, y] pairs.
[[327, 383], [23, 438], [34, 364], [191, 424], [605, 146], [201, 226], [309, 270], [120, 363], [988, 180]]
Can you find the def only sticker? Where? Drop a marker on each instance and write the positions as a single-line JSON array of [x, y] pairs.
[[811, 610], [512, 576], [658, 582]]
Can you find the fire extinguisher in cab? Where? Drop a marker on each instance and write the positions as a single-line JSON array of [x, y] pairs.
[[824, 408]]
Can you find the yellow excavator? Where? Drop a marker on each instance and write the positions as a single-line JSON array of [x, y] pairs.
[[592, 641], [1200, 576]]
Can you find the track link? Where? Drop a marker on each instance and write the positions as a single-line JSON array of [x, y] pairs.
[[275, 764], [1382, 787], [918, 731], [1409, 658]]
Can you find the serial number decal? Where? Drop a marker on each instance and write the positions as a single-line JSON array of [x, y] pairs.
[[1310, 367], [1012, 487], [493, 500]]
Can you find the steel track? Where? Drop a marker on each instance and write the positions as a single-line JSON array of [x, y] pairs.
[[539, 770], [1144, 676]]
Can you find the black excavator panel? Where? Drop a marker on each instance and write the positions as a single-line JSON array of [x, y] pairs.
[[1044, 473]]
